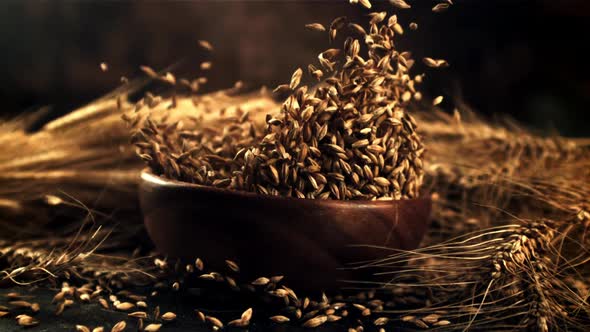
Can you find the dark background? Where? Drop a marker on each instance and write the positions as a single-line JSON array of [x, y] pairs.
[[524, 58]]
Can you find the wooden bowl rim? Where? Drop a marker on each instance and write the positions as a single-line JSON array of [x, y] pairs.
[[148, 176]]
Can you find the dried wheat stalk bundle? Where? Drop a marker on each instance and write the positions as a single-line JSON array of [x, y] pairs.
[[506, 277], [508, 249]]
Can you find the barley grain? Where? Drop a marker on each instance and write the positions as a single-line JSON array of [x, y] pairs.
[[153, 327], [120, 326], [401, 4], [205, 45], [169, 316], [82, 328], [438, 8], [315, 322], [315, 27]]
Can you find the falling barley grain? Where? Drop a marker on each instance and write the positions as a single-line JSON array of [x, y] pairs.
[[169, 78], [214, 321], [205, 45], [26, 320], [435, 63], [20, 304], [354, 93], [296, 78], [82, 328], [103, 303], [120, 326], [232, 266], [247, 315], [13, 295], [406, 96], [279, 319], [276, 279], [334, 318], [169, 316], [305, 303], [441, 7], [401, 4], [153, 327], [262, 281], [365, 3], [206, 65], [138, 314], [377, 18], [308, 315], [59, 296], [437, 100], [232, 283], [156, 313], [381, 321], [315, 322], [124, 306], [357, 29], [283, 88], [207, 276], [338, 23], [298, 314], [149, 71], [200, 315], [315, 27], [199, 264], [60, 308]]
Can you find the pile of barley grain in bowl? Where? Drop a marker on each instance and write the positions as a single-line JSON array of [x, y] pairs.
[[349, 137]]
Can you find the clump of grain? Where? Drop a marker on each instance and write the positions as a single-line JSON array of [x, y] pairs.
[[349, 137], [208, 156]]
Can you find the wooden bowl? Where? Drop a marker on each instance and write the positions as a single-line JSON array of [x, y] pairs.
[[307, 241]]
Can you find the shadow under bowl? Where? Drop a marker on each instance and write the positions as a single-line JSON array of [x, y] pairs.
[[308, 241]]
